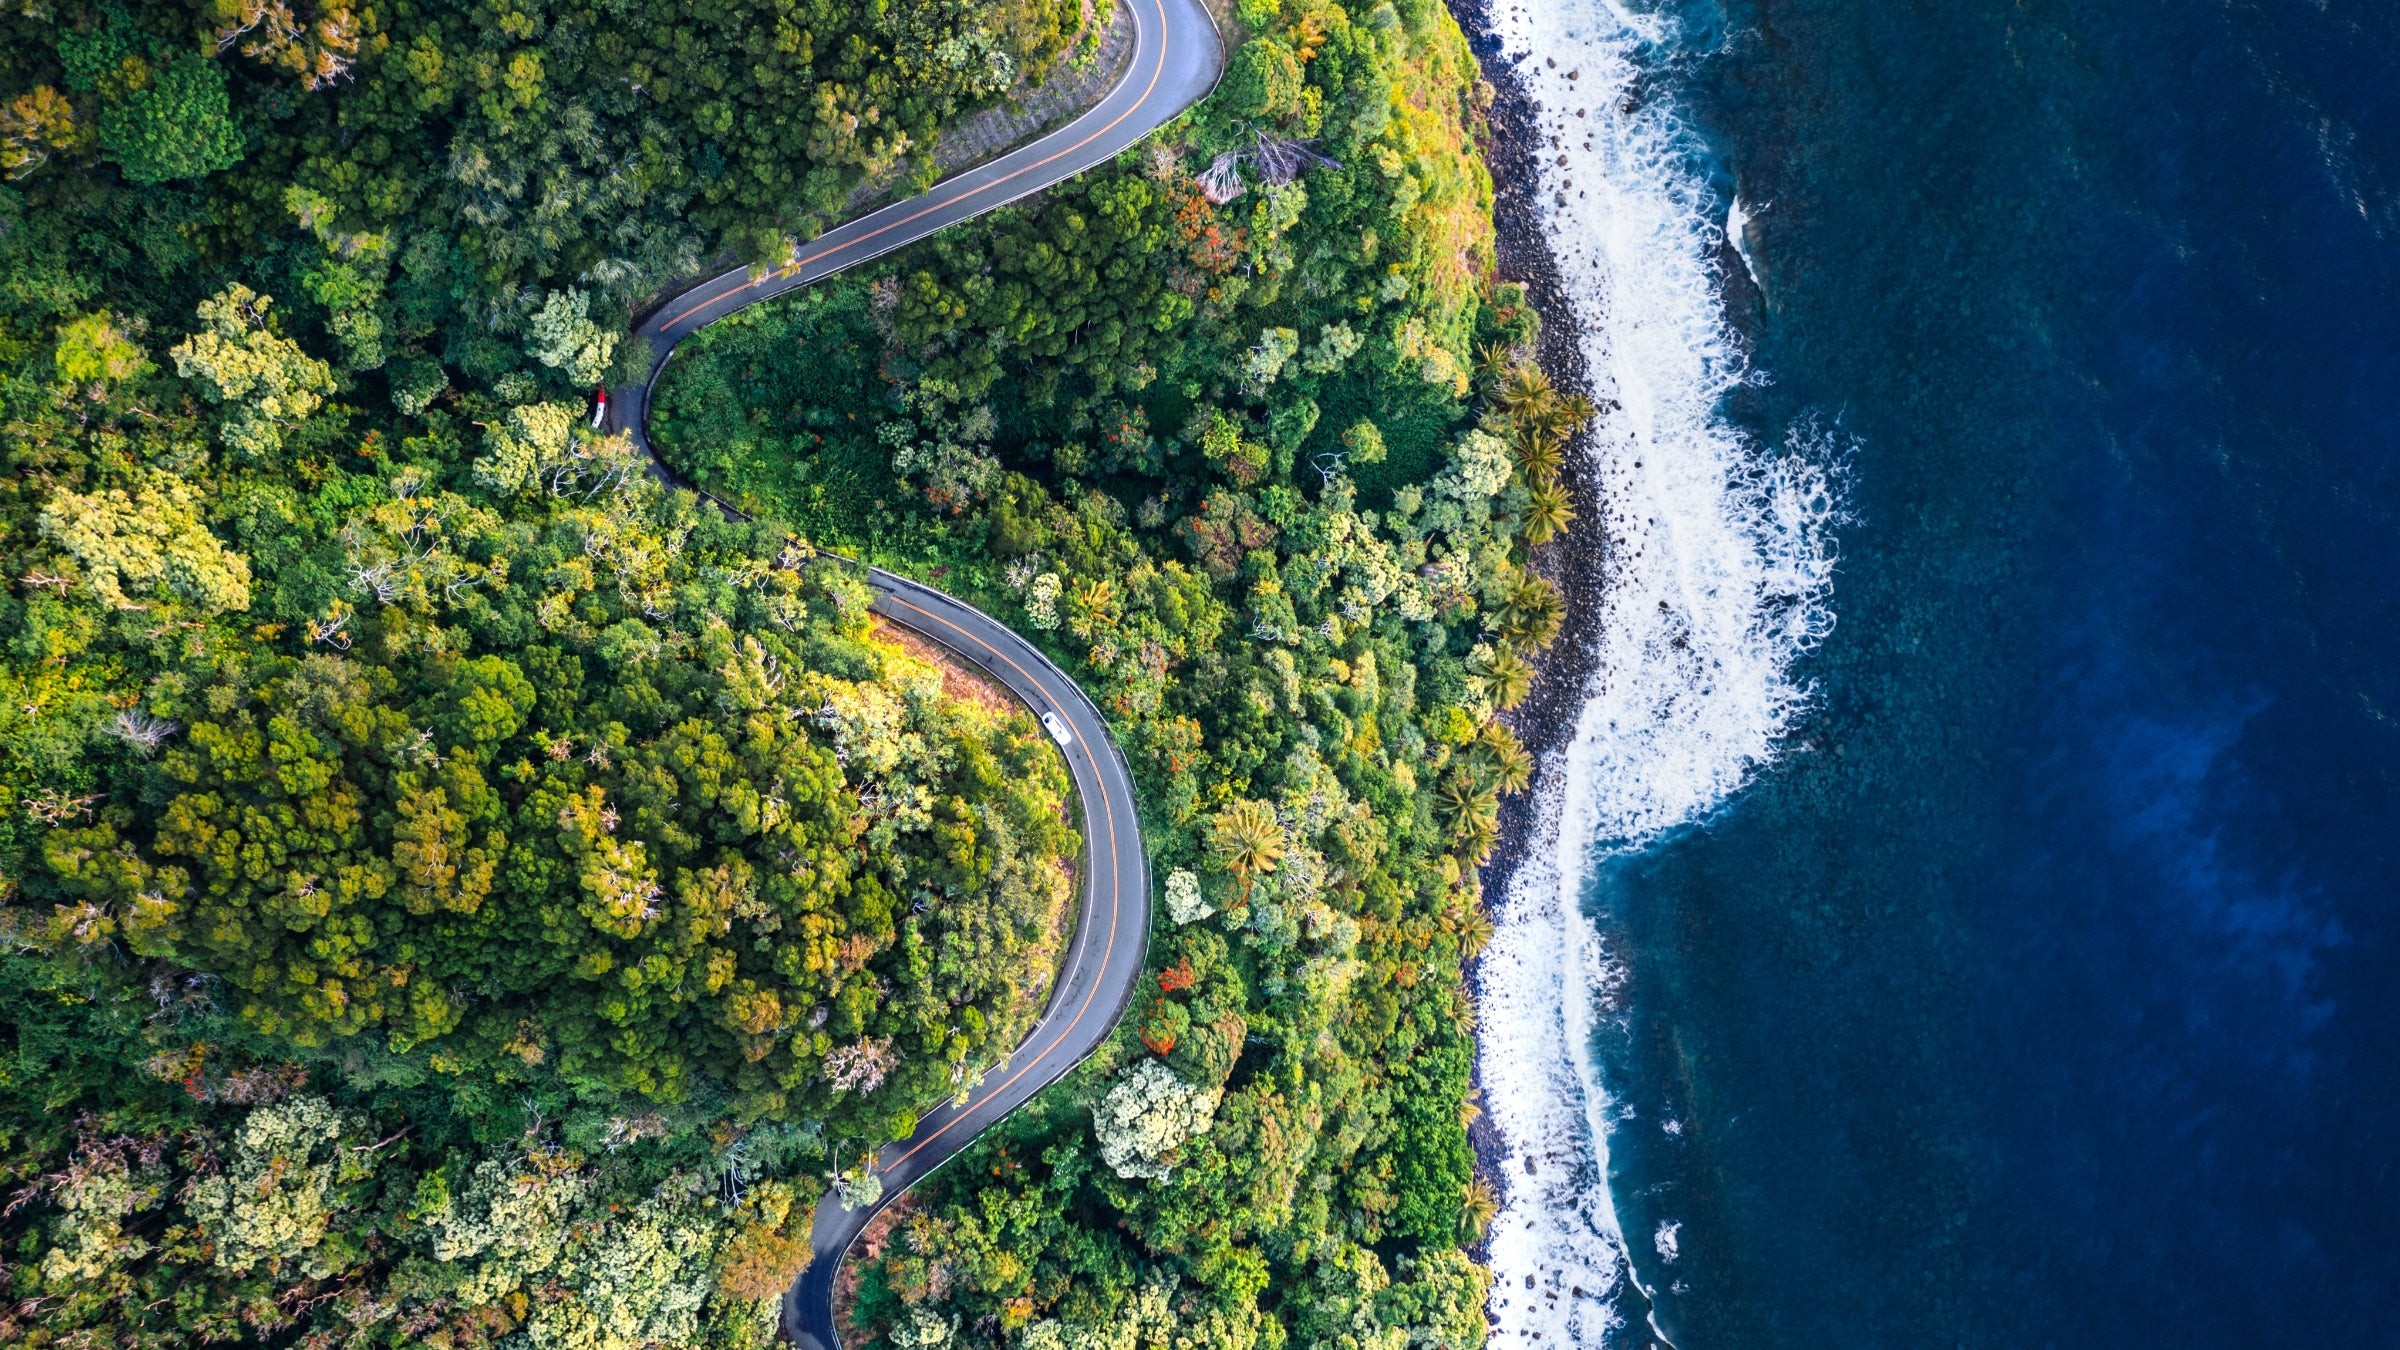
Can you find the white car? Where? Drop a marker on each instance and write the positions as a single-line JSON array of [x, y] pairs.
[[1057, 729]]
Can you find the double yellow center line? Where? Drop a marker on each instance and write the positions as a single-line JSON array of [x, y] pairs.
[[1115, 895], [936, 202]]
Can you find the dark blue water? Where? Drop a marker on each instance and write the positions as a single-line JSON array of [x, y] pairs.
[[2046, 994]]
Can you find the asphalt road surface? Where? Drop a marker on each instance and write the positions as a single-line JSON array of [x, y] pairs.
[[1103, 963], [1176, 60]]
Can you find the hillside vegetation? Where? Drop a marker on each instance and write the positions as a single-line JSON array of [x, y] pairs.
[[1242, 428], [453, 891]]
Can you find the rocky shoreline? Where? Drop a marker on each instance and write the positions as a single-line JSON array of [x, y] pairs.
[[1577, 561]]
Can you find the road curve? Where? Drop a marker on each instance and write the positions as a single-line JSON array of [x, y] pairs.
[[1176, 60], [1103, 964]]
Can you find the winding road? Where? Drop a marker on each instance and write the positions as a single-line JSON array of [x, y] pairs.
[[1177, 57]]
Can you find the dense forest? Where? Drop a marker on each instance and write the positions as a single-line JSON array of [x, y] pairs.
[[1243, 430], [456, 891], [452, 889]]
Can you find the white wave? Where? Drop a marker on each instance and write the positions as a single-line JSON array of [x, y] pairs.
[[1720, 567], [1557, 1249], [1738, 216]]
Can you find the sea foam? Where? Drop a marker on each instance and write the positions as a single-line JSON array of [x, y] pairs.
[[1720, 561]]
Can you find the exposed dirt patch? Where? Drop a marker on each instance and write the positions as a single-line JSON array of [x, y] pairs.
[[959, 680], [870, 1244], [969, 683]]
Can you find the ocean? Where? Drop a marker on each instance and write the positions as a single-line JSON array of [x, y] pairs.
[[1964, 914]]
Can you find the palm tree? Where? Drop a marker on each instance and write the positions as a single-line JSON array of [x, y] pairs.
[[1247, 841], [1505, 676], [1529, 613], [1091, 609], [1525, 389], [1480, 1207], [1462, 797], [1472, 811], [1511, 767], [1474, 932], [1548, 510], [1493, 359], [1479, 835], [1537, 457], [1557, 417]]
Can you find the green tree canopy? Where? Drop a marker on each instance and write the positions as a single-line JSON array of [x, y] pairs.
[[175, 122]]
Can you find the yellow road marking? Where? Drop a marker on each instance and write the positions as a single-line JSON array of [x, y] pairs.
[[1116, 901], [800, 265]]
